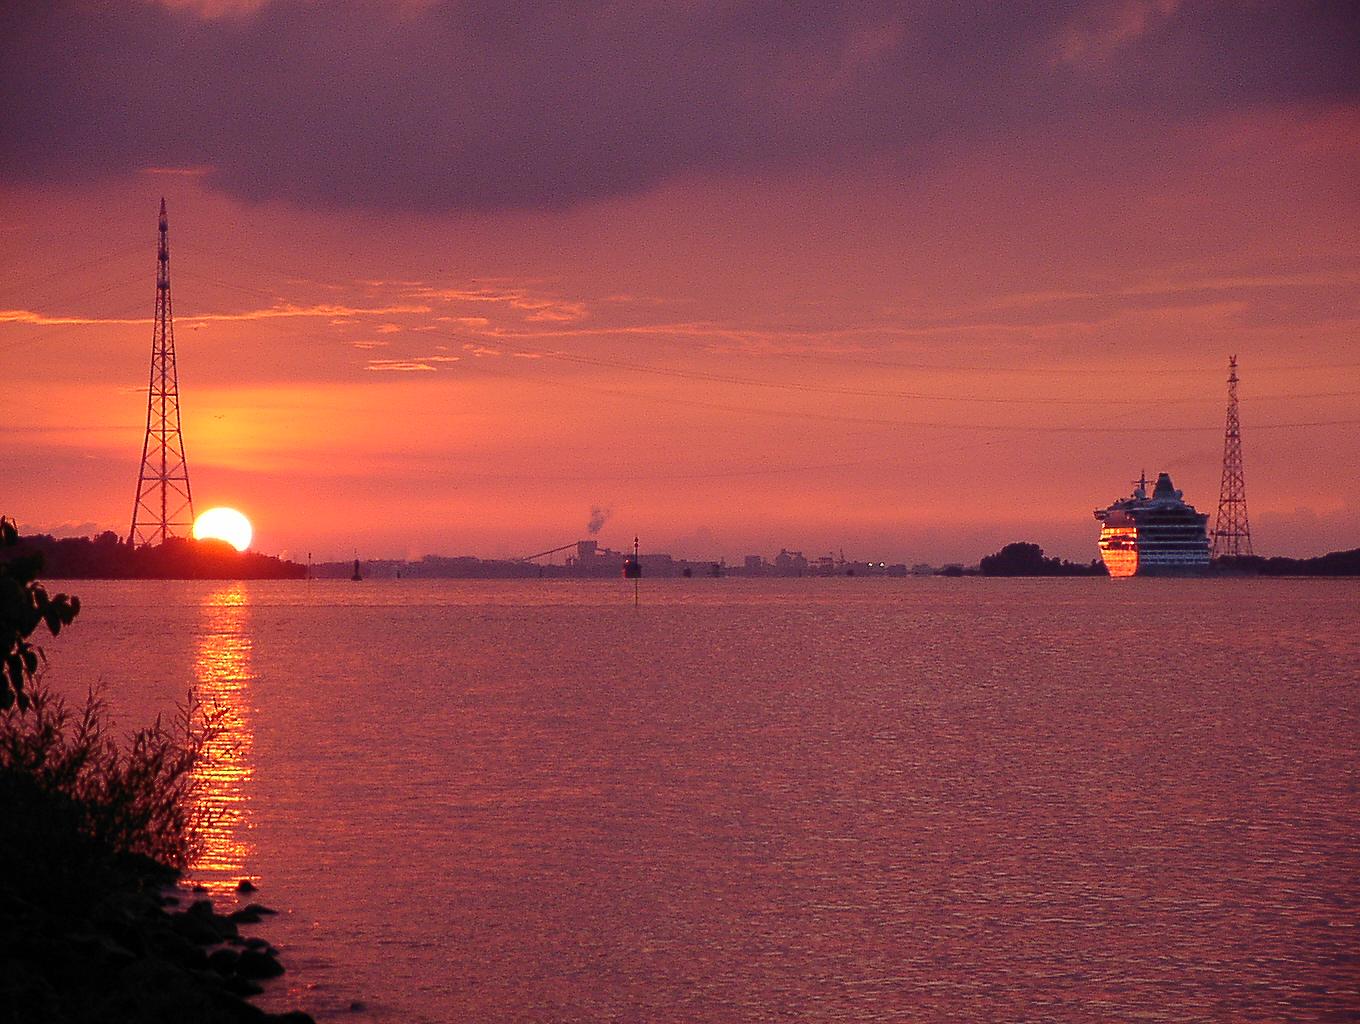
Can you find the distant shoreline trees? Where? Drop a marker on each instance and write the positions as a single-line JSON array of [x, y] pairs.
[[179, 558], [1025, 559], [108, 557], [1334, 563]]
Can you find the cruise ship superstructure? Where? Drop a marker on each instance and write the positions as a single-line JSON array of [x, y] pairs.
[[1154, 536]]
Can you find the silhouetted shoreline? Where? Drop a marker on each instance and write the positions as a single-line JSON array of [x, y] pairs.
[[1334, 563], [1014, 560], [108, 557], [1026, 559]]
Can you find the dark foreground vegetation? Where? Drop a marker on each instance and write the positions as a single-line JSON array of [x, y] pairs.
[[93, 835], [1023, 559], [179, 558]]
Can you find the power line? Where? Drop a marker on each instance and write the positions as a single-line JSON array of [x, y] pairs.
[[499, 338], [801, 414], [849, 392], [852, 359], [57, 275], [702, 376]]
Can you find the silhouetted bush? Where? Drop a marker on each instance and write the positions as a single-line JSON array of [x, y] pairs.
[[137, 798], [62, 768], [24, 606]]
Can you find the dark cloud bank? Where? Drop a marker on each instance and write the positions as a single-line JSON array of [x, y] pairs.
[[495, 105]]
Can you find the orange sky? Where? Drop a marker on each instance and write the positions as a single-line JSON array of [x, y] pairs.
[[914, 355]]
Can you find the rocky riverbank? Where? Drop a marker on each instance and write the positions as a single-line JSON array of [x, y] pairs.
[[136, 954]]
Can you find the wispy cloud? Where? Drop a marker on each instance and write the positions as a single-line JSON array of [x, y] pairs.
[[537, 307], [1171, 284], [1098, 31], [181, 172], [279, 312], [557, 312], [398, 366]]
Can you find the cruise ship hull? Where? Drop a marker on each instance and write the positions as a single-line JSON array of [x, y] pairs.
[[1174, 570], [1123, 569], [1126, 553], [1154, 536]]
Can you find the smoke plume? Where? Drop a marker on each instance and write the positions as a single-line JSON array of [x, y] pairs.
[[598, 517]]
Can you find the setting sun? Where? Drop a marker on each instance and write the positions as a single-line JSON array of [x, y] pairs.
[[224, 524]]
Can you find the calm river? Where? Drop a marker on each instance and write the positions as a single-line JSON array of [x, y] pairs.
[[785, 800]]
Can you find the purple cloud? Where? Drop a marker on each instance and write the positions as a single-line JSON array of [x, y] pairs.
[[492, 105]]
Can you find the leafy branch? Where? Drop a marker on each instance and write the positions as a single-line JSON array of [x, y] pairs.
[[24, 607]]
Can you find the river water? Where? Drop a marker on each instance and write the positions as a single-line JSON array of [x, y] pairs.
[[772, 800]]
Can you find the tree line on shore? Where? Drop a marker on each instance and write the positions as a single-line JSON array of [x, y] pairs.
[[1334, 563], [179, 558], [1025, 559], [108, 557]]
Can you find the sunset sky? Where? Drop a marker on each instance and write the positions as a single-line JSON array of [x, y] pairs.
[[908, 280]]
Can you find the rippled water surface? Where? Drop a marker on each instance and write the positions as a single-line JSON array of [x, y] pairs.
[[858, 800]]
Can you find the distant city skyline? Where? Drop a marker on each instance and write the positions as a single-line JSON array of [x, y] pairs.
[[913, 285]]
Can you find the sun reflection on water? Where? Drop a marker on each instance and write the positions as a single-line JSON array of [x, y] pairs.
[[222, 670]]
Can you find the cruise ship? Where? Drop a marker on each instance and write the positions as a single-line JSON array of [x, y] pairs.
[[1156, 536]]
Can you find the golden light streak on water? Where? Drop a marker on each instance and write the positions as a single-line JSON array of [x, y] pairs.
[[223, 675]]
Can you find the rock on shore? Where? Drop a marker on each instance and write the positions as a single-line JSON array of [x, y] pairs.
[[131, 957]]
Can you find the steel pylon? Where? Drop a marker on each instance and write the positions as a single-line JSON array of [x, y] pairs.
[[1232, 531], [165, 505]]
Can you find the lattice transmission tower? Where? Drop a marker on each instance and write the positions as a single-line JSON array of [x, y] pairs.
[[1232, 531], [165, 505]]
